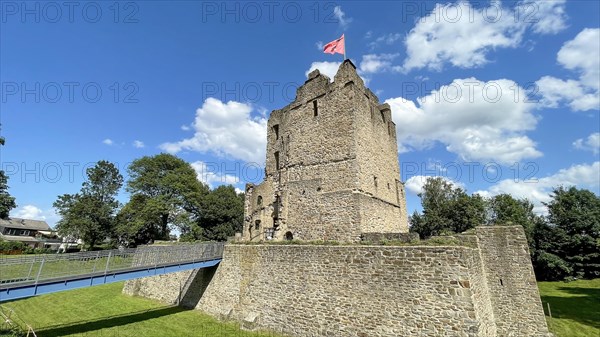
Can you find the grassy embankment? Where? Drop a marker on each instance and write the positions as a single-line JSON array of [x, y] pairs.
[[104, 311], [575, 307]]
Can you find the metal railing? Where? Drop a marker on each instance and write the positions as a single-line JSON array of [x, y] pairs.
[[37, 268], [8, 322]]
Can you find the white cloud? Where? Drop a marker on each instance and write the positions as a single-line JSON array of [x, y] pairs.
[[436, 166], [372, 63], [592, 143], [263, 111], [388, 39], [415, 184], [581, 55], [538, 190], [474, 119], [36, 213], [108, 141], [319, 45], [555, 91], [225, 129], [138, 144], [29, 212], [185, 128], [341, 17], [206, 173], [547, 16], [462, 35], [328, 69]]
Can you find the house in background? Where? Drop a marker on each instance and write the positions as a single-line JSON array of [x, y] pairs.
[[34, 233]]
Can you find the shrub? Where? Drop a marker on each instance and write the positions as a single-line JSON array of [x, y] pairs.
[[6, 246]]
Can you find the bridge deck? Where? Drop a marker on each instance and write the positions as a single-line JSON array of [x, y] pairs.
[[25, 276]]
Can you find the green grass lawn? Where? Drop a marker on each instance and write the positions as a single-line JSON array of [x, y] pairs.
[[575, 307], [103, 311]]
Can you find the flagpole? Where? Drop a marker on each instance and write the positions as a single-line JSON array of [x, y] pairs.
[[344, 47]]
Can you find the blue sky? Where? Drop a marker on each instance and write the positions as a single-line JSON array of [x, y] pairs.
[[499, 97]]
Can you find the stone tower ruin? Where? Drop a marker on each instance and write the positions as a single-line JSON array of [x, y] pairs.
[[332, 168], [332, 174]]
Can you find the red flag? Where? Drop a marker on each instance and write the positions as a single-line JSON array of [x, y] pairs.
[[335, 46]]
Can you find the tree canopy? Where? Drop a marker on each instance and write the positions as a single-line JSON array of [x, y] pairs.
[[165, 194], [90, 214], [222, 213], [571, 239], [564, 244], [504, 209], [446, 209], [7, 202], [165, 191]]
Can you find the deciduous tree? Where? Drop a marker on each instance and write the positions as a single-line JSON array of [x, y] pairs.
[[575, 215], [447, 209], [7, 202], [165, 192], [90, 214], [504, 209], [222, 213]]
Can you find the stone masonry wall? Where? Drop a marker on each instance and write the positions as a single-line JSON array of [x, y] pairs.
[[164, 288], [335, 290], [511, 282], [481, 294], [374, 212], [334, 142], [365, 291], [347, 290], [183, 288]]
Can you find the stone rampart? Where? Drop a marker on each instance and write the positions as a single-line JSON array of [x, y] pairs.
[[485, 288]]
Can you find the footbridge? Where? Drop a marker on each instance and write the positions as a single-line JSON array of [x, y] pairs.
[[30, 275]]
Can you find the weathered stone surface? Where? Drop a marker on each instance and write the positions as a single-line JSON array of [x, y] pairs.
[[183, 288], [379, 237], [515, 298], [381, 291], [346, 290], [332, 168]]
